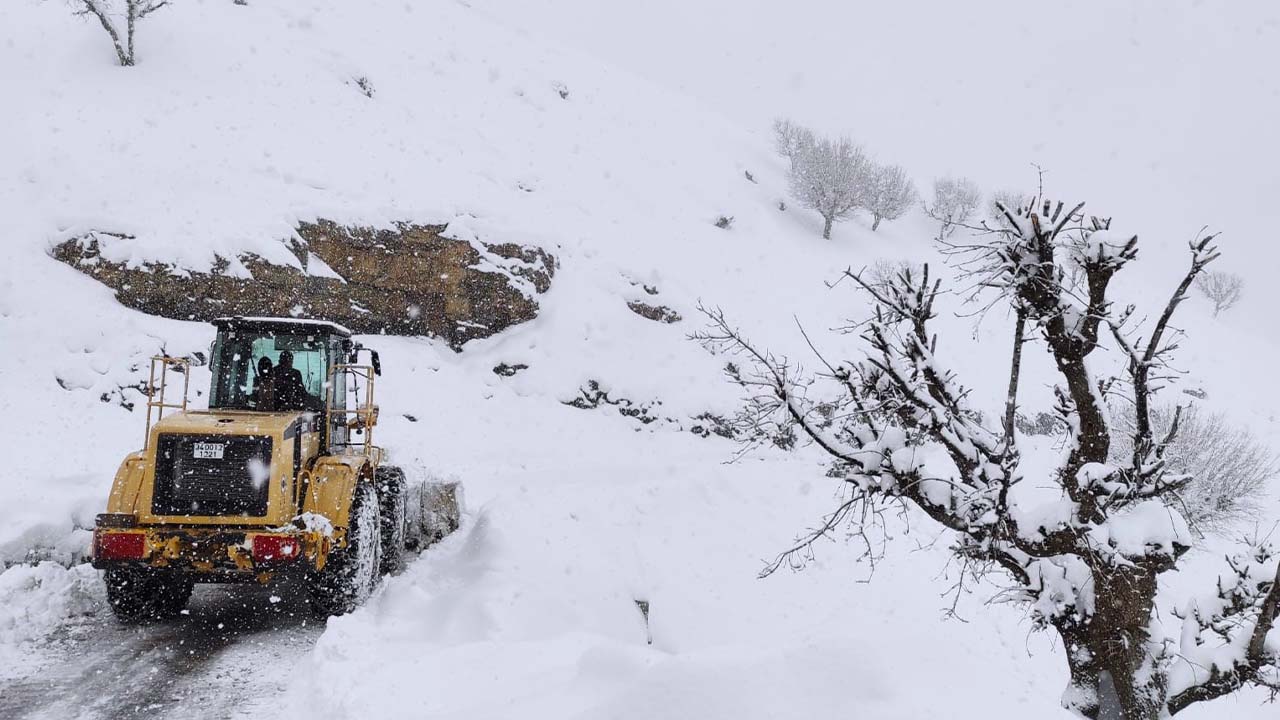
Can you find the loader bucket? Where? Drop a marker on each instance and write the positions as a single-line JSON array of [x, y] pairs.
[[434, 510]]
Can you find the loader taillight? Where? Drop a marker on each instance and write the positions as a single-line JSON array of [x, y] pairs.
[[119, 545], [275, 548]]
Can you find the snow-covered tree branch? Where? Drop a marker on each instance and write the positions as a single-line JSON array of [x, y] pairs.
[[1087, 562], [112, 12]]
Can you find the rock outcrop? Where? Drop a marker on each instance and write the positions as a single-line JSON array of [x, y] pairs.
[[409, 280]]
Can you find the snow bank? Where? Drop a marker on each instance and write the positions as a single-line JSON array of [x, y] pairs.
[[531, 608], [35, 599]]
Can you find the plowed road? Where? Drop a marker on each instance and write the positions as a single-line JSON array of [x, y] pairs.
[[230, 657]]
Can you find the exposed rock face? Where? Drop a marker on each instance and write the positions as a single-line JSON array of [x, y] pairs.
[[656, 313], [407, 281]]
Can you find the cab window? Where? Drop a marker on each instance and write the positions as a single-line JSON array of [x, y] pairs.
[[269, 371]]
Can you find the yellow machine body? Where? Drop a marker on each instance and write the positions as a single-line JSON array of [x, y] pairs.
[[303, 486]]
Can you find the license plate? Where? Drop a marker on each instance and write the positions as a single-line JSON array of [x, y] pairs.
[[208, 451]]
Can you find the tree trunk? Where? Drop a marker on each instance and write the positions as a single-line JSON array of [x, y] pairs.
[[875, 222], [132, 10], [126, 59], [826, 228], [1114, 675]]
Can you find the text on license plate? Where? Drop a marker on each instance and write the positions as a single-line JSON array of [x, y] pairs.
[[207, 451]]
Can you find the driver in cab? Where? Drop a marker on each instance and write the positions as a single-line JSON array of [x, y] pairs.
[[290, 393]]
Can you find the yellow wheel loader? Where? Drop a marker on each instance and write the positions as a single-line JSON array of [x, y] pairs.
[[278, 477]]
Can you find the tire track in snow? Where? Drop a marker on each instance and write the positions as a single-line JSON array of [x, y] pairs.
[[227, 658]]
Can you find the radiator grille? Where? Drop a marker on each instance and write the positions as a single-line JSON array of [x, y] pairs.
[[232, 485]]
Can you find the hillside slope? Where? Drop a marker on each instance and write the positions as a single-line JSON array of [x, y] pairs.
[[239, 122]]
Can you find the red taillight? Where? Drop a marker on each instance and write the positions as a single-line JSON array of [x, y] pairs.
[[118, 546], [275, 548]]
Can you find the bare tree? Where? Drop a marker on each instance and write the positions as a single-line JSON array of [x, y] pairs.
[[884, 272], [827, 175], [1004, 198], [889, 193], [1229, 467], [791, 140], [1086, 563], [111, 12], [955, 200], [1222, 288]]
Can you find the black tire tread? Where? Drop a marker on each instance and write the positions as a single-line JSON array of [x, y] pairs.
[[333, 590], [393, 499]]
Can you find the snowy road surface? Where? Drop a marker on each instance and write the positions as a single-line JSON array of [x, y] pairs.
[[227, 658]]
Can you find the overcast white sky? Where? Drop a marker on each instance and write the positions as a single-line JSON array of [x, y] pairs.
[[1161, 113]]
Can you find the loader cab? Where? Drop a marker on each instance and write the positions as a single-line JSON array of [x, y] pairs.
[[276, 364]]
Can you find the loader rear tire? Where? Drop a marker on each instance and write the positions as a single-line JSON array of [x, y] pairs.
[[138, 594], [392, 497], [173, 592], [352, 572], [128, 593]]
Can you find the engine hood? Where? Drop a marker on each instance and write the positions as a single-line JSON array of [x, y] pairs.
[[233, 422]]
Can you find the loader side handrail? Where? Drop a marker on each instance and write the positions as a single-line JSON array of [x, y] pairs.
[[361, 418], [157, 384]]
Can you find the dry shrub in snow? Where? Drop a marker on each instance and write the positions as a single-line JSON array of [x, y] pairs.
[[1229, 467], [955, 200], [112, 13], [1086, 560], [889, 193], [1222, 288], [828, 175]]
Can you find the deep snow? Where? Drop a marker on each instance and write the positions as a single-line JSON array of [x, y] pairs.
[[241, 120]]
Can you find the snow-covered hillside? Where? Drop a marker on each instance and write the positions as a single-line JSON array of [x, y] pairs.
[[512, 123]]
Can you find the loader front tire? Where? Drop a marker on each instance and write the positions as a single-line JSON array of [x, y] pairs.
[[392, 497], [352, 572]]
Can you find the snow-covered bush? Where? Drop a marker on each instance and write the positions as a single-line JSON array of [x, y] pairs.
[[889, 193], [1222, 288], [829, 175], [1086, 560], [955, 200], [1228, 465], [110, 13]]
